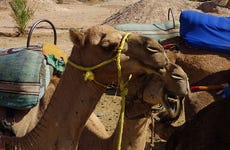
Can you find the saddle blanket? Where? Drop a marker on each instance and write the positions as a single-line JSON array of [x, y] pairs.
[[25, 74], [205, 31], [157, 31]]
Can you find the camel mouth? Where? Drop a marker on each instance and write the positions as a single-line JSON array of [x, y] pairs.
[[172, 100], [160, 71], [173, 105]]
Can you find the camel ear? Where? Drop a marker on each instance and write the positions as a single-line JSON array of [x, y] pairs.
[[77, 36]]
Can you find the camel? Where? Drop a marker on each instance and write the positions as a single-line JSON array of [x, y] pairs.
[[209, 127], [136, 124], [197, 63], [64, 119], [203, 68], [196, 101]]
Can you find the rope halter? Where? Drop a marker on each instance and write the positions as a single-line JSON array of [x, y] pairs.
[[89, 75]]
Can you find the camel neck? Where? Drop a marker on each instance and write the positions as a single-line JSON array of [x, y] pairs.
[[137, 129], [70, 107]]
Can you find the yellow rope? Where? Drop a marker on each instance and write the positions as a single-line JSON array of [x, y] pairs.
[[123, 89], [89, 74]]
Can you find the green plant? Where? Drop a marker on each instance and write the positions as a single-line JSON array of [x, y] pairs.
[[21, 13]]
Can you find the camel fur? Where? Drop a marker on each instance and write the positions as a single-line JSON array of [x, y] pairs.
[[209, 124], [196, 101], [135, 128], [65, 117], [203, 67]]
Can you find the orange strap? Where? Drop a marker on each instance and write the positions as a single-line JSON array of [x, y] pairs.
[[206, 88]]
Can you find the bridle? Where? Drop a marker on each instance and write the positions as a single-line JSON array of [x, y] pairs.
[[89, 75]]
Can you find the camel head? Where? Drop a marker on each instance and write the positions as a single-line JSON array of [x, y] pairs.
[[169, 90], [101, 43], [176, 80]]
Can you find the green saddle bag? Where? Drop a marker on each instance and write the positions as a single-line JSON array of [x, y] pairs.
[[24, 77], [25, 72]]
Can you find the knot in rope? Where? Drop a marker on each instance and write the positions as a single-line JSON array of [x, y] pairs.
[[89, 75]]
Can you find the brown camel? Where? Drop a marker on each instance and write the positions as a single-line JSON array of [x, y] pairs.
[[197, 101], [197, 63], [203, 67], [138, 109], [209, 128], [62, 123]]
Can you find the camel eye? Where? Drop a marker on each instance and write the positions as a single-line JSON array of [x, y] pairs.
[[152, 49], [177, 77], [108, 46]]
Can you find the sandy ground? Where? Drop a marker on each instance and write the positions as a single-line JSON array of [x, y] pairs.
[[71, 14]]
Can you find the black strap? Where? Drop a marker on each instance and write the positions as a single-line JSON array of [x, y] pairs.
[[170, 12]]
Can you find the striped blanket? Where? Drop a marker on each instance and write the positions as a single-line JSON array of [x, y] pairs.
[[24, 76]]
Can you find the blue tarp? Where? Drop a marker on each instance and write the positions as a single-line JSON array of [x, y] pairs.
[[205, 31]]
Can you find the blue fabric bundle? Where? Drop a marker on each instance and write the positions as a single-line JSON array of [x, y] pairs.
[[205, 31]]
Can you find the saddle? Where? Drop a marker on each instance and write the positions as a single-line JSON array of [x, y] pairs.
[[27, 71], [157, 31]]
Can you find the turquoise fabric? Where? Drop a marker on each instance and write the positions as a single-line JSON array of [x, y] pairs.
[[58, 64], [46, 74], [16, 65], [18, 101], [22, 65], [157, 31]]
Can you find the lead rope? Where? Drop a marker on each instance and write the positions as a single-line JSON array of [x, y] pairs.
[[123, 89]]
